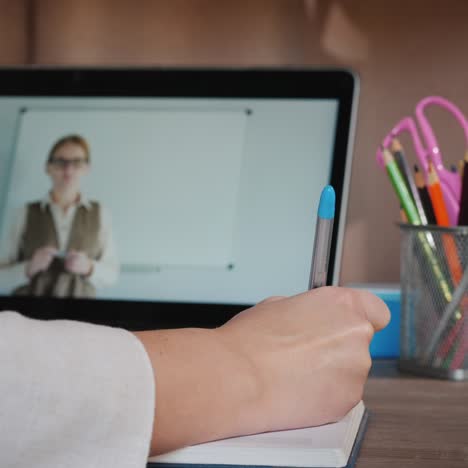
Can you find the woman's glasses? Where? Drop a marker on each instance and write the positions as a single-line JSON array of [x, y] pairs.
[[62, 163]]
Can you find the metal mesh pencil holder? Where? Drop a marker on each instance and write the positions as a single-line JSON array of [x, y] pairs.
[[434, 307]]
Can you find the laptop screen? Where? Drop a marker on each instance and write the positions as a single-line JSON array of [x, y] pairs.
[[179, 199]]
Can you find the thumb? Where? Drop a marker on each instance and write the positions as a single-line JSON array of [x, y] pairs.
[[374, 308]]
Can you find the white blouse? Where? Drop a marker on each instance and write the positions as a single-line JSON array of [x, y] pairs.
[[73, 395]]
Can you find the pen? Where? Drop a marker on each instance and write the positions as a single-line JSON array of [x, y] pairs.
[[322, 241]]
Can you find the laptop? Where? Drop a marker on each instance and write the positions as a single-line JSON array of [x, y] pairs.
[[192, 194]]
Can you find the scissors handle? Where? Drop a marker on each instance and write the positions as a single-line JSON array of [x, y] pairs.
[[426, 129], [428, 150], [449, 181]]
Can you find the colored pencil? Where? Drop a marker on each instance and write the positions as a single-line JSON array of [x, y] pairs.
[[400, 187], [462, 351], [451, 311], [463, 213], [451, 254], [411, 213], [435, 192], [449, 349], [437, 198], [403, 217], [424, 196], [399, 155], [400, 159]]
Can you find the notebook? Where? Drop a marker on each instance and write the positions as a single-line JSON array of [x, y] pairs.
[[330, 445]]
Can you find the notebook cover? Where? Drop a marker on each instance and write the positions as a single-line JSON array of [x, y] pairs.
[[351, 460]]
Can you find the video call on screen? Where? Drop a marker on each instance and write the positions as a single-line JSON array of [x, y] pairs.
[[187, 200]]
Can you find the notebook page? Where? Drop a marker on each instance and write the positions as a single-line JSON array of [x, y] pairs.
[[328, 445]]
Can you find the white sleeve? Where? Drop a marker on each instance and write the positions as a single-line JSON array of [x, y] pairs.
[[73, 395]]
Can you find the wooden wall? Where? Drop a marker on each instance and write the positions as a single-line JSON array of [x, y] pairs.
[[14, 34], [403, 50]]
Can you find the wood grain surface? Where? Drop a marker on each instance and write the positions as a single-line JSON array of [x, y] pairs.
[[415, 422]]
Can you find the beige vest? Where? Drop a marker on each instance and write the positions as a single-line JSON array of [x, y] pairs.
[[40, 231]]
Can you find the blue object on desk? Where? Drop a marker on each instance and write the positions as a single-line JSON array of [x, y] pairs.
[[386, 343]]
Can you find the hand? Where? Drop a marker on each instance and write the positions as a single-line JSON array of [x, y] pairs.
[[284, 363], [79, 263], [40, 261], [310, 353]]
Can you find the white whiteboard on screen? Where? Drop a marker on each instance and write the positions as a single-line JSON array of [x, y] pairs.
[[168, 177]]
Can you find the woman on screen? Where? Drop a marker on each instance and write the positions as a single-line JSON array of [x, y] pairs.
[[62, 245]]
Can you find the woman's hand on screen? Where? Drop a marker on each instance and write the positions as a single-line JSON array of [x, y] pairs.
[[79, 263], [41, 260]]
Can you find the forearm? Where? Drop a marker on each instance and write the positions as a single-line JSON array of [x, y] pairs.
[[282, 364], [204, 390]]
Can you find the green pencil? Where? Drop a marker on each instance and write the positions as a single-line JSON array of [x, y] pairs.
[[401, 188]]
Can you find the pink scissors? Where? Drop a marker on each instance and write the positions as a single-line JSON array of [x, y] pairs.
[[428, 149]]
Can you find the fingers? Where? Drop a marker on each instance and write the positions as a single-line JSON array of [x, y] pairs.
[[71, 260], [78, 262], [362, 302]]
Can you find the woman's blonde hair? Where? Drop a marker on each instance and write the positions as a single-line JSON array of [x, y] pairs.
[[75, 139]]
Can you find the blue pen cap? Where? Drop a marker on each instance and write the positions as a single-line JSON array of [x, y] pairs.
[[327, 203]]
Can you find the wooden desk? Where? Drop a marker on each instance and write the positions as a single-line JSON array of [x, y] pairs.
[[415, 422]]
